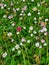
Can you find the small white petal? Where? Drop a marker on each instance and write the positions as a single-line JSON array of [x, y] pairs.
[[29, 14]]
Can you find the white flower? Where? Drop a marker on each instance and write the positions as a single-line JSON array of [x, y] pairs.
[[8, 8], [17, 9], [4, 16], [46, 20], [12, 40], [20, 18], [5, 5], [17, 33], [21, 14], [34, 32], [31, 35], [4, 55], [45, 33], [38, 4], [35, 18], [10, 17], [2, 7], [21, 44], [45, 29], [45, 44], [30, 28], [42, 40], [19, 51], [41, 30], [13, 49], [37, 44], [24, 27], [40, 46], [22, 11], [35, 22], [38, 13], [29, 14], [17, 2], [23, 0], [23, 40], [34, 9], [9, 34], [17, 46], [28, 41], [32, 0], [13, 24]]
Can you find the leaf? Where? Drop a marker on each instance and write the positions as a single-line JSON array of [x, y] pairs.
[[13, 62]]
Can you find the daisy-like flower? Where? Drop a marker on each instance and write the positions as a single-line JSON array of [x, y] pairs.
[[38, 4], [45, 33], [38, 13], [45, 44], [18, 28], [17, 46], [20, 18], [34, 9], [42, 41], [35, 18], [31, 35], [30, 28], [11, 3], [13, 49], [29, 14], [34, 32], [4, 16], [9, 34], [5, 5], [23, 40], [4, 55], [24, 27], [2, 7], [12, 40], [17, 33], [42, 24], [28, 41], [10, 17], [24, 8], [21, 44], [40, 46], [17, 9], [32, 0], [37, 37], [37, 44], [41, 30], [23, 0], [46, 19], [19, 51], [13, 24], [45, 29], [17, 2]]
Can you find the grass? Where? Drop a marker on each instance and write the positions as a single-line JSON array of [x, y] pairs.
[[24, 32]]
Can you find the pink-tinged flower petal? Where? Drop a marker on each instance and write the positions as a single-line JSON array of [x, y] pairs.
[[18, 28], [24, 8], [42, 40], [10, 17], [1, 4], [42, 24]]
